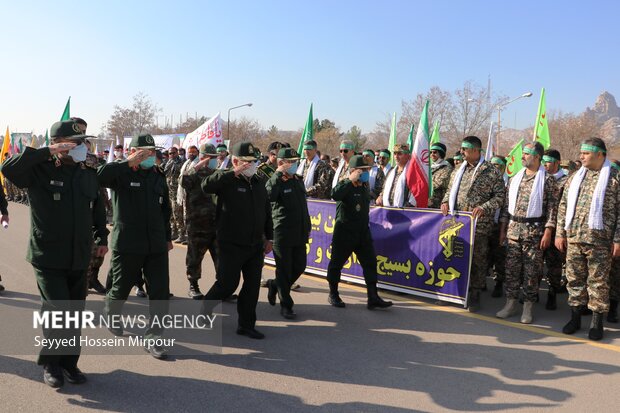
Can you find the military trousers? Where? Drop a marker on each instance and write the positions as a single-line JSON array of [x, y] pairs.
[[555, 262], [480, 262], [587, 275], [92, 274], [290, 264], [614, 280], [127, 270], [524, 264], [61, 290], [198, 243], [345, 242], [497, 255], [233, 261]]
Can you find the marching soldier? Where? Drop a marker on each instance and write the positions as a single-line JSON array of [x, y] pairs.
[[352, 234], [589, 231], [244, 234], [317, 174], [375, 182], [291, 229], [528, 220], [478, 187], [65, 207], [441, 172], [141, 236], [173, 173]]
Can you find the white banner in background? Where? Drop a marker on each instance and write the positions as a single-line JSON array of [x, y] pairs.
[[208, 132]]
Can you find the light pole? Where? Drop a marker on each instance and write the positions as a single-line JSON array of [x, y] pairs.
[[500, 107], [228, 120], [466, 109]]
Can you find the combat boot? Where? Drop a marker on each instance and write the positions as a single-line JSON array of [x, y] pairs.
[[194, 291], [575, 321], [374, 301], [498, 290], [526, 317], [612, 315], [551, 299], [596, 327], [509, 309], [334, 297], [473, 302]]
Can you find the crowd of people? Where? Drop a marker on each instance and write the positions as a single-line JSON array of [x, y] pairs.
[[240, 205]]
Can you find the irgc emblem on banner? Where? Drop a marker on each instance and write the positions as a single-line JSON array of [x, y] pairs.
[[208, 132]]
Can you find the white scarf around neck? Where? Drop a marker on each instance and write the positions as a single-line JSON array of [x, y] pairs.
[[399, 191], [595, 217], [535, 205], [457, 183], [309, 169]]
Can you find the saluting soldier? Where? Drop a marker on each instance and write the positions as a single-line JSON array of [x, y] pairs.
[[528, 222], [375, 182], [244, 234], [291, 229], [352, 234], [478, 187], [64, 208], [441, 172], [141, 235], [317, 173], [589, 231]]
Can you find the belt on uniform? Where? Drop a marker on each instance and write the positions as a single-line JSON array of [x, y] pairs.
[[524, 220]]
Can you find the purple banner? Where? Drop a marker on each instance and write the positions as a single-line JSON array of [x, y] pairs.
[[419, 251]]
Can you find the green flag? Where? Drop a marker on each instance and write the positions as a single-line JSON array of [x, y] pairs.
[[392, 140], [541, 131], [410, 138], [435, 138], [67, 113], [513, 164], [308, 134], [47, 138]]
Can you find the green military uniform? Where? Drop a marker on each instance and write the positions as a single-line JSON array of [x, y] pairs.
[[141, 232], [243, 224], [65, 207], [291, 229], [200, 221], [352, 234]]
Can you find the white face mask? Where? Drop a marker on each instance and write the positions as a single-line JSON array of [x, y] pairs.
[[78, 153], [251, 170], [118, 154]]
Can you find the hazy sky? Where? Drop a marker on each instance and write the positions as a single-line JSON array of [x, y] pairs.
[[355, 60]]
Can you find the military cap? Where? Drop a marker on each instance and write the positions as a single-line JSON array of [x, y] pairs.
[[274, 146], [144, 141], [245, 151], [69, 129], [288, 154], [207, 149], [358, 162], [221, 148], [565, 163]]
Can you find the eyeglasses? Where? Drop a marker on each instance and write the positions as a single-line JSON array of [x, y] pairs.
[[344, 151]]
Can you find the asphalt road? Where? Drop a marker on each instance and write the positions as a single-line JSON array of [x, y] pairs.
[[415, 356]]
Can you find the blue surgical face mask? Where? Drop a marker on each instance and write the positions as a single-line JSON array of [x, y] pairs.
[[148, 162], [292, 168], [212, 163], [78, 153], [565, 171], [365, 176]]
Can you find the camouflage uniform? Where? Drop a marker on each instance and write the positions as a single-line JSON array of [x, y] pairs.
[[614, 280], [344, 174], [524, 258], [485, 189], [378, 184], [441, 179], [554, 258], [173, 172], [200, 219], [322, 183], [588, 256], [497, 253], [396, 170]]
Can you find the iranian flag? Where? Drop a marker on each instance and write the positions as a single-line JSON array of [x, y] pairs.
[[418, 171]]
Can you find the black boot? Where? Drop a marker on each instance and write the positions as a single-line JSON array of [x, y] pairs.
[[551, 301], [596, 327], [498, 290], [586, 311], [575, 320], [96, 285], [194, 291], [612, 315], [334, 297], [374, 301]]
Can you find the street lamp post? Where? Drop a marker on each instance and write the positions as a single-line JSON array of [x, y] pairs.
[[228, 120], [500, 107]]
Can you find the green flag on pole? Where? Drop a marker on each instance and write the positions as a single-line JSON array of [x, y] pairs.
[[392, 140], [541, 131], [410, 138], [435, 138], [513, 164], [67, 112], [47, 138], [308, 134]]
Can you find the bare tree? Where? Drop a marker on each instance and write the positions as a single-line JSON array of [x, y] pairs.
[[140, 118]]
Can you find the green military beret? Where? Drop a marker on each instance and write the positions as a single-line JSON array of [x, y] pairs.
[[358, 162], [207, 149], [144, 141], [289, 154], [68, 129], [245, 151]]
